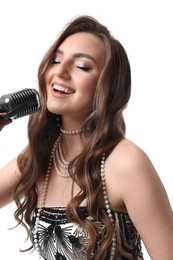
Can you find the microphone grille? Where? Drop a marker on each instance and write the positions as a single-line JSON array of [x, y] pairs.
[[27, 100]]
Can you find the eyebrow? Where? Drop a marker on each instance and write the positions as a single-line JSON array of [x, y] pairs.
[[79, 55]]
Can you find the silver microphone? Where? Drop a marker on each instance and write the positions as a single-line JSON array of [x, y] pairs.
[[18, 104]]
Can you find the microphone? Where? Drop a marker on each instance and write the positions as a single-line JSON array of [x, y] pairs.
[[18, 104]]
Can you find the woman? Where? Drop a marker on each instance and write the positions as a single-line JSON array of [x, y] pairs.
[[82, 188]]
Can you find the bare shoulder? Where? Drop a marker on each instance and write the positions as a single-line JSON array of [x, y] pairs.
[[128, 171], [10, 166], [127, 155]]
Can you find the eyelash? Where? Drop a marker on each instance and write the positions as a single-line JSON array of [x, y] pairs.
[[84, 68], [55, 62], [87, 69]]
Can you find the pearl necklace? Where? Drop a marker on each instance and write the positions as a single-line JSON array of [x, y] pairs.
[[107, 205], [43, 200], [59, 155], [73, 132], [58, 158]]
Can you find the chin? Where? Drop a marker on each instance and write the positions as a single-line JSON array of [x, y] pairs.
[[53, 109]]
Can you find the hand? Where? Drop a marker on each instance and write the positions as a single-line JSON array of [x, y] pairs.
[[4, 123]]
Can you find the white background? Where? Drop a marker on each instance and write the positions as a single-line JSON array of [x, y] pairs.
[[27, 29]]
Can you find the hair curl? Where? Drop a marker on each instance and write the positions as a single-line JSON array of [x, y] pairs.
[[106, 125]]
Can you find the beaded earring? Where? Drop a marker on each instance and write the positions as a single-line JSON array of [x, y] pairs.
[[58, 120]]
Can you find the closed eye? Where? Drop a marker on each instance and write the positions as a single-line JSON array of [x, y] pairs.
[[55, 62], [84, 68]]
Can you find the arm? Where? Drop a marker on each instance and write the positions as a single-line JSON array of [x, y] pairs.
[[141, 191], [9, 177]]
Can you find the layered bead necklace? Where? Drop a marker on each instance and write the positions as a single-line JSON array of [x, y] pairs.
[[57, 156]]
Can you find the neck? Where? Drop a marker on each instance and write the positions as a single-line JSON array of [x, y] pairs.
[[75, 139], [72, 145], [72, 132], [71, 123]]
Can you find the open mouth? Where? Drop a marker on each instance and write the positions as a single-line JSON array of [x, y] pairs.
[[62, 90]]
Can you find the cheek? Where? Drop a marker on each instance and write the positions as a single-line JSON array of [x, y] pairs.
[[90, 88], [88, 92], [87, 84]]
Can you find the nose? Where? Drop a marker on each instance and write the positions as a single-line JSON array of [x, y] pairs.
[[62, 70]]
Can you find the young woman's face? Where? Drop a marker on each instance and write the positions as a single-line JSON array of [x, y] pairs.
[[72, 77]]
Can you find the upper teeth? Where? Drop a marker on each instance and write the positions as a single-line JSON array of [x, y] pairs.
[[63, 89]]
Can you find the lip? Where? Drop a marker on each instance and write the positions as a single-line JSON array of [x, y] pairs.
[[66, 90]]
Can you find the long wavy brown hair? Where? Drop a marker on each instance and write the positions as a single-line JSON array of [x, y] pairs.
[[106, 128]]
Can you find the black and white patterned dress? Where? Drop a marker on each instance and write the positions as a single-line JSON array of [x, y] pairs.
[[61, 240]]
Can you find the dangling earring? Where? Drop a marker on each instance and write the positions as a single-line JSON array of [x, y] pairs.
[[58, 120]]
